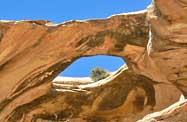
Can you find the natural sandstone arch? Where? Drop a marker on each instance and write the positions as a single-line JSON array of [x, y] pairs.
[[32, 53]]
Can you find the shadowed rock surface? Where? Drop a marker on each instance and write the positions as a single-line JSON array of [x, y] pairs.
[[152, 42]]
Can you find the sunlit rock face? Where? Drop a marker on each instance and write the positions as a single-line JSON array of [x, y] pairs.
[[153, 43], [174, 113]]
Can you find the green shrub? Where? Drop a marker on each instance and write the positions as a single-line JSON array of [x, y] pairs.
[[98, 74]]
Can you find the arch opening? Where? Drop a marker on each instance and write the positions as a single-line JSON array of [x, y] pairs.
[[82, 67]]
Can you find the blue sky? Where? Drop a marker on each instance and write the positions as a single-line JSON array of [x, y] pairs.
[[83, 66], [63, 10]]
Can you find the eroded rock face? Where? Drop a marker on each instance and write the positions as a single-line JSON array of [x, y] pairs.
[[152, 42], [174, 113]]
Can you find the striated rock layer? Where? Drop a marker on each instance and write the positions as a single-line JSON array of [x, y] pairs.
[[174, 113], [152, 42]]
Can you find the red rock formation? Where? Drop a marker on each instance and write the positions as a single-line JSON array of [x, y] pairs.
[[174, 113], [152, 42]]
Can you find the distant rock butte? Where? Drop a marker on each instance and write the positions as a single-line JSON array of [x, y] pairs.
[[153, 43]]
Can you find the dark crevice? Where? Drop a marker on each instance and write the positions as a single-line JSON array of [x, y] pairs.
[[92, 41], [40, 39], [1, 36]]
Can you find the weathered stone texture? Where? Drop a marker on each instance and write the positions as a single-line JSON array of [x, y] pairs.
[[152, 42]]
